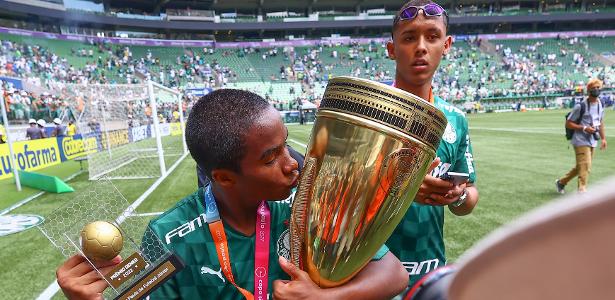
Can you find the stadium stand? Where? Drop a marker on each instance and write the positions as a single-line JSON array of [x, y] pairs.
[[289, 76]]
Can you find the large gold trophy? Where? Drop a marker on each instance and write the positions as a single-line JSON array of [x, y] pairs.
[[369, 151]]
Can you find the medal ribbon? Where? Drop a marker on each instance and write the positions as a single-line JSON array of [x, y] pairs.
[[261, 254]]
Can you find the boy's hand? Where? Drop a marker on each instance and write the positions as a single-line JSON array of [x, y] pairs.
[[299, 287], [436, 191], [79, 280]]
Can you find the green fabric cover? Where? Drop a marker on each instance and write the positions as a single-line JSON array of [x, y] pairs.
[[44, 182]]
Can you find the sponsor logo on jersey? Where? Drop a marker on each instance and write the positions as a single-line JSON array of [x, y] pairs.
[[207, 270], [450, 134], [423, 267], [186, 228], [283, 244]]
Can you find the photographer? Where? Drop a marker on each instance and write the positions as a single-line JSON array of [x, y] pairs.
[[586, 120]]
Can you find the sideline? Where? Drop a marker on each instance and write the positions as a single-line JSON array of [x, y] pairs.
[[297, 143], [147, 214], [544, 130], [24, 201]]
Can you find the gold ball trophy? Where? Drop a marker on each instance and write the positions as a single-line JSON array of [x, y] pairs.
[[99, 224], [101, 241], [369, 151]]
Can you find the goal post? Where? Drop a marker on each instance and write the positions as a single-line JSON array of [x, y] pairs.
[[136, 128], [152, 99]]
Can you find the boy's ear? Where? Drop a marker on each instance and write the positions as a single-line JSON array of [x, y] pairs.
[[391, 49], [447, 44], [223, 177]]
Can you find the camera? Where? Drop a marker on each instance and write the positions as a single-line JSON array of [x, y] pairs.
[[596, 133]]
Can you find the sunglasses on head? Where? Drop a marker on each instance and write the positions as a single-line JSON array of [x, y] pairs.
[[429, 10]]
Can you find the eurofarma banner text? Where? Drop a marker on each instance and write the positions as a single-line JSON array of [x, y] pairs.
[[38, 154]]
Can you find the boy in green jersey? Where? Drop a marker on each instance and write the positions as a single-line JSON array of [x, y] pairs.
[[239, 141], [419, 40]]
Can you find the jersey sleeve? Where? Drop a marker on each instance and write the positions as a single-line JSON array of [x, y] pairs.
[[381, 252], [464, 158]]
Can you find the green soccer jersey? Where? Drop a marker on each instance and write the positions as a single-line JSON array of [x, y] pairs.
[[183, 229], [418, 239]]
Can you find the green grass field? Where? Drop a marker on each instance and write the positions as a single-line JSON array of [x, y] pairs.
[[518, 157]]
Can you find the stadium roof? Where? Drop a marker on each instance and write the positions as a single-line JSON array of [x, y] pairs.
[[253, 4]]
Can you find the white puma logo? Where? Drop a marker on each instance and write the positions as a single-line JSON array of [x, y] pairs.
[[206, 270]]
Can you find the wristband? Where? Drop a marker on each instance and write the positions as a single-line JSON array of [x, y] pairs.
[[584, 127]]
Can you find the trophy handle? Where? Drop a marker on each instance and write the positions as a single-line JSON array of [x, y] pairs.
[[299, 210]]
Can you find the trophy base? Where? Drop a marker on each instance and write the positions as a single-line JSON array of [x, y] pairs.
[[152, 279]]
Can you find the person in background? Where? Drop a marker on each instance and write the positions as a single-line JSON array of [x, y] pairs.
[[587, 121], [41, 127], [33, 132], [72, 129], [419, 41], [58, 129], [239, 141], [2, 134]]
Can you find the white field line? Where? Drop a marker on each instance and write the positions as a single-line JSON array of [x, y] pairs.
[[559, 131], [151, 189], [147, 214], [610, 131], [53, 288], [95, 177], [297, 143], [20, 203], [24, 201]]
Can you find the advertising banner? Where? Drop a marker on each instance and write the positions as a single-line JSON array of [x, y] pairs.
[[29, 156], [176, 129], [33, 155]]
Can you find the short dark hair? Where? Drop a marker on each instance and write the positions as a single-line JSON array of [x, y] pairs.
[[217, 126], [416, 3]]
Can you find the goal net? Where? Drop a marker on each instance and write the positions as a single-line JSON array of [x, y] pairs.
[[133, 131]]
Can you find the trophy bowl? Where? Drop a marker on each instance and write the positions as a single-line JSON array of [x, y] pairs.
[[369, 151]]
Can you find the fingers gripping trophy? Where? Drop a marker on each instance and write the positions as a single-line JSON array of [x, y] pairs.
[[370, 148]]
